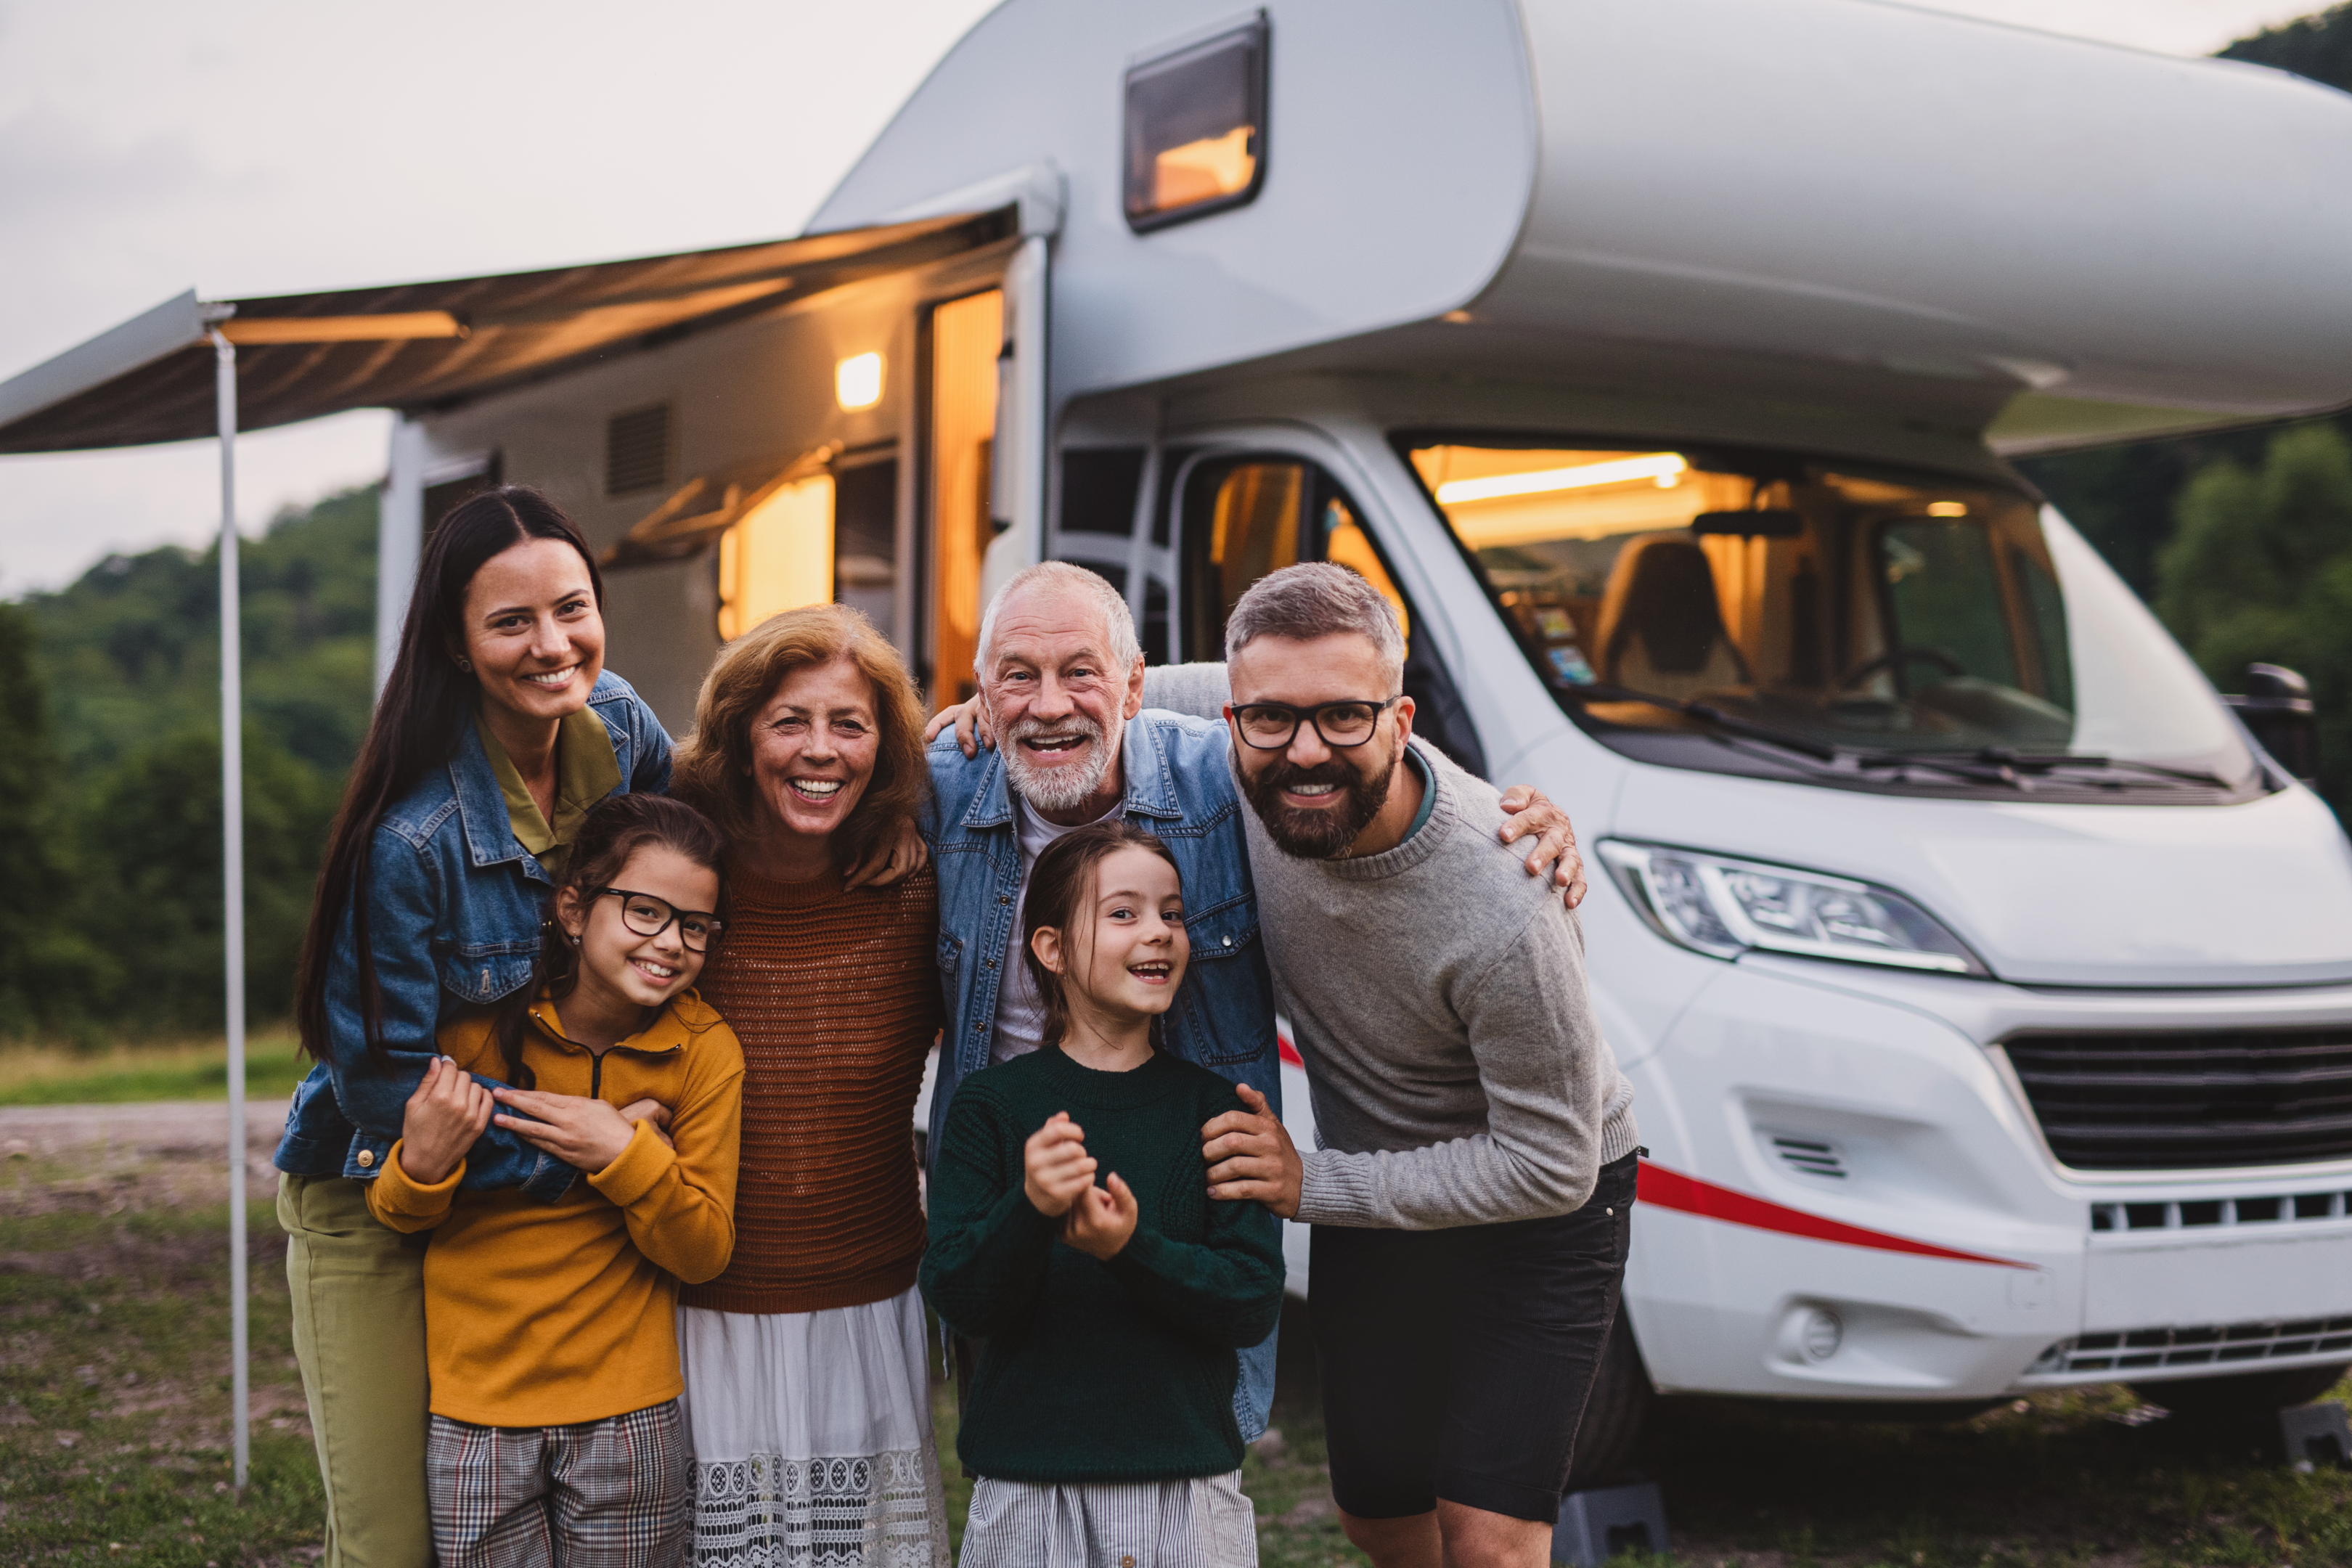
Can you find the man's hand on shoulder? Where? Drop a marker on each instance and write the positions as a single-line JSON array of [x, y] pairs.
[[970, 723], [1531, 811], [1251, 1158]]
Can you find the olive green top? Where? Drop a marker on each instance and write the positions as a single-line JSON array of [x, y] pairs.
[[586, 771]]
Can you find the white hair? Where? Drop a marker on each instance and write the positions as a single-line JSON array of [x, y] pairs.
[[1118, 623], [1316, 599]]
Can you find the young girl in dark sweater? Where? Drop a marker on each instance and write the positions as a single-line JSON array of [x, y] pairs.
[[1100, 1419]]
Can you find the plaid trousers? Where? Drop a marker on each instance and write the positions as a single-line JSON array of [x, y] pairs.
[[615, 1493]]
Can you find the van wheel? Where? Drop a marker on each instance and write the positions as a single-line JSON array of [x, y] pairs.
[[1616, 1412], [2247, 1394]]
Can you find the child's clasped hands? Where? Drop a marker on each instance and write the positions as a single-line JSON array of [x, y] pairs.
[[1058, 1176]]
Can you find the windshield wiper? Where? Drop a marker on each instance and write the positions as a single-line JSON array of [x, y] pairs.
[[1707, 713], [1987, 765], [2005, 762]]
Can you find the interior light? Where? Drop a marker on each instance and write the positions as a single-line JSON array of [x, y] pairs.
[[396, 327], [858, 382], [1665, 468], [1947, 509], [1203, 170]]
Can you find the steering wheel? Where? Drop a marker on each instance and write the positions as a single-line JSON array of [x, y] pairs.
[[1895, 656]]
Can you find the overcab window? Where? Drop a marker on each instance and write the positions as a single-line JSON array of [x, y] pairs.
[[1196, 127]]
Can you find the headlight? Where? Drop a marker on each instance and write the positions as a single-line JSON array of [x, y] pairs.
[[1724, 907]]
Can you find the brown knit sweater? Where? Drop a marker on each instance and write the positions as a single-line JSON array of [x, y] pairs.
[[836, 998]]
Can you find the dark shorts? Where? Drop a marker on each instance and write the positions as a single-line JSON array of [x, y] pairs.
[[1456, 1363]]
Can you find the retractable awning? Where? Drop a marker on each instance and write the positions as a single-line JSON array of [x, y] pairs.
[[413, 346]]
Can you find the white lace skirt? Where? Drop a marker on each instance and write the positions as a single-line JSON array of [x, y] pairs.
[[811, 1434]]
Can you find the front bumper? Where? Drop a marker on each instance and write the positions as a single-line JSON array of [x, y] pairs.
[[1898, 1184]]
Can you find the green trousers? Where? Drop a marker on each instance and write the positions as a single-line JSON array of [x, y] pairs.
[[359, 1334]]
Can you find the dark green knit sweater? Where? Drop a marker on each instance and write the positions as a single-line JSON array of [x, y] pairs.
[[1091, 1371]]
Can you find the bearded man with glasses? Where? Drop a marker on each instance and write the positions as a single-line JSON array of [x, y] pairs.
[[1472, 1195]]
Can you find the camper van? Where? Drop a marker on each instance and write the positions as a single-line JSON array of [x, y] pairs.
[[1986, 986]]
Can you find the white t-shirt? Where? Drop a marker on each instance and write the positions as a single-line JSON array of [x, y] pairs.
[[1020, 1011]]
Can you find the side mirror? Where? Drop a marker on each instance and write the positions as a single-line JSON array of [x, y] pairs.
[[2277, 709]]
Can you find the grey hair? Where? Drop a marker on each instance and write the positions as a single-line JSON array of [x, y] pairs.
[[1316, 599], [1117, 620]]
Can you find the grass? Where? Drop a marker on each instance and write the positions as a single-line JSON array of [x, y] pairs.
[[52, 1075], [114, 1336], [114, 1432]]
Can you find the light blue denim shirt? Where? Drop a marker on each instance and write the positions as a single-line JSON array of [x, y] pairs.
[[454, 909], [1178, 787]]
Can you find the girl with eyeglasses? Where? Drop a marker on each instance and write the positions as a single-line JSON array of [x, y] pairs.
[[550, 1328]]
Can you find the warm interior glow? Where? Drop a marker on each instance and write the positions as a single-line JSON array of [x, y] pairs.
[[966, 335], [1348, 545], [1665, 469], [1203, 170], [393, 327], [778, 557], [858, 382], [1947, 509]]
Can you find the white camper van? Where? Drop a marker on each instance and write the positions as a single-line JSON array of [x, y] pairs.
[[1987, 989]]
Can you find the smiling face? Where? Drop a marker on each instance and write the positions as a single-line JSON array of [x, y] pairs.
[[1124, 954], [532, 630], [1316, 799], [1058, 703], [814, 746], [620, 970]]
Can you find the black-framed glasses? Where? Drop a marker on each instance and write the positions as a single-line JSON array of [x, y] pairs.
[[649, 916], [1268, 726]]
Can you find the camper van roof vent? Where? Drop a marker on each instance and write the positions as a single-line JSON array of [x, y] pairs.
[[1196, 127], [636, 449]]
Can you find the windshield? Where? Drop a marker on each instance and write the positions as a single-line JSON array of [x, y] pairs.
[[1809, 618]]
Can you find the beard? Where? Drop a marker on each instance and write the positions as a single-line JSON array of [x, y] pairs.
[[1318, 833], [1063, 787]]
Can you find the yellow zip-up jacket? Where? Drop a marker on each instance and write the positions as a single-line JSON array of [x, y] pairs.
[[548, 1314]]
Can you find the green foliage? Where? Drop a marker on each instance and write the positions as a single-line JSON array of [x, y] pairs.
[[152, 851], [109, 785], [133, 649], [2260, 567], [49, 973], [2318, 47]]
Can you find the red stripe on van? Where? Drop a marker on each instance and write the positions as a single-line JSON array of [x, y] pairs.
[[1285, 1050], [1688, 1194]]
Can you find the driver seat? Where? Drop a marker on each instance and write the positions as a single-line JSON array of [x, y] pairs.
[[1662, 627]]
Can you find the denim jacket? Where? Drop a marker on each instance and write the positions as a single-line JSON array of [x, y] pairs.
[[1180, 786], [454, 912]]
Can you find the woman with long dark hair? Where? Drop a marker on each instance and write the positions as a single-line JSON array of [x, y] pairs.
[[497, 731]]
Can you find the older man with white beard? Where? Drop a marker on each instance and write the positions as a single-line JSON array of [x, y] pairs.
[[1060, 675]]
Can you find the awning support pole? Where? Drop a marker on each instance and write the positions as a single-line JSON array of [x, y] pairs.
[[233, 895]]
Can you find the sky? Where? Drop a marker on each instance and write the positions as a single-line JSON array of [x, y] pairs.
[[246, 147]]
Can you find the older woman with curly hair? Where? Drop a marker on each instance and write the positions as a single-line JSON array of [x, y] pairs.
[[808, 1395]]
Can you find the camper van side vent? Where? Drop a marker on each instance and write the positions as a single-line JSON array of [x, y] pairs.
[[1809, 1157], [636, 449]]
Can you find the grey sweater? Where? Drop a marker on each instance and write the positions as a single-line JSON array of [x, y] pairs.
[[1437, 993]]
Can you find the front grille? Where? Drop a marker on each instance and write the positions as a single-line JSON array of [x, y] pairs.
[[2221, 1345], [2189, 1213], [2190, 1101]]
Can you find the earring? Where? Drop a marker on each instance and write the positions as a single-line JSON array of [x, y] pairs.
[[466, 664]]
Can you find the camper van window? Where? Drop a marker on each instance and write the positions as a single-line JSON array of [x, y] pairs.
[[1245, 517], [1768, 614], [1196, 129]]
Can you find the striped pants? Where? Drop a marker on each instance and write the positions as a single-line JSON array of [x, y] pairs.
[[1203, 1522], [615, 1493]]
